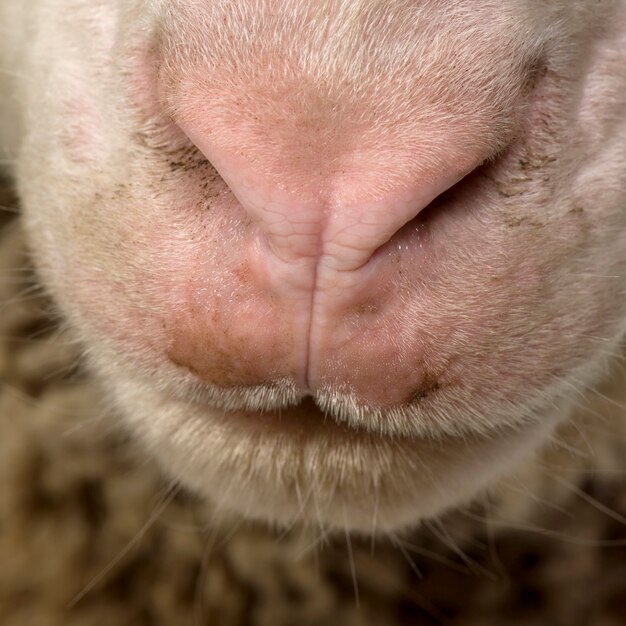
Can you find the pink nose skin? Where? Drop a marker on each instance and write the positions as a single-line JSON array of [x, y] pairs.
[[316, 231], [329, 221]]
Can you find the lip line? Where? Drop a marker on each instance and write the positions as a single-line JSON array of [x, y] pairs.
[[295, 420]]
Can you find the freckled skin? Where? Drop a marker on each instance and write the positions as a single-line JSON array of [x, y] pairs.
[[365, 246]]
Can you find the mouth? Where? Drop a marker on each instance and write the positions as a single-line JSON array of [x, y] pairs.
[[299, 464], [440, 406], [282, 406], [306, 414]]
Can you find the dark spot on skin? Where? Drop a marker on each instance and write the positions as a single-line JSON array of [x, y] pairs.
[[506, 193], [120, 192], [529, 163], [242, 273], [188, 164], [430, 384], [514, 221], [520, 177], [369, 308], [511, 186]]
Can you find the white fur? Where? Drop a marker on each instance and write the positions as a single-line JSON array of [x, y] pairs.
[[523, 308]]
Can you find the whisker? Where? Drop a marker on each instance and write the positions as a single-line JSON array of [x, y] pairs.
[[491, 537], [596, 504], [355, 582], [154, 516], [199, 613], [552, 534], [312, 546], [408, 558], [433, 556], [374, 517], [558, 441], [437, 528], [302, 502], [537, 499]]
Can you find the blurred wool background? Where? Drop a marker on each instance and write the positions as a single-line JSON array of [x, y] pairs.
[[91, 533]]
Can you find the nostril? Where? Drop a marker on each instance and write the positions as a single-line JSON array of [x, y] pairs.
[[414, 234], [461, 186]]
